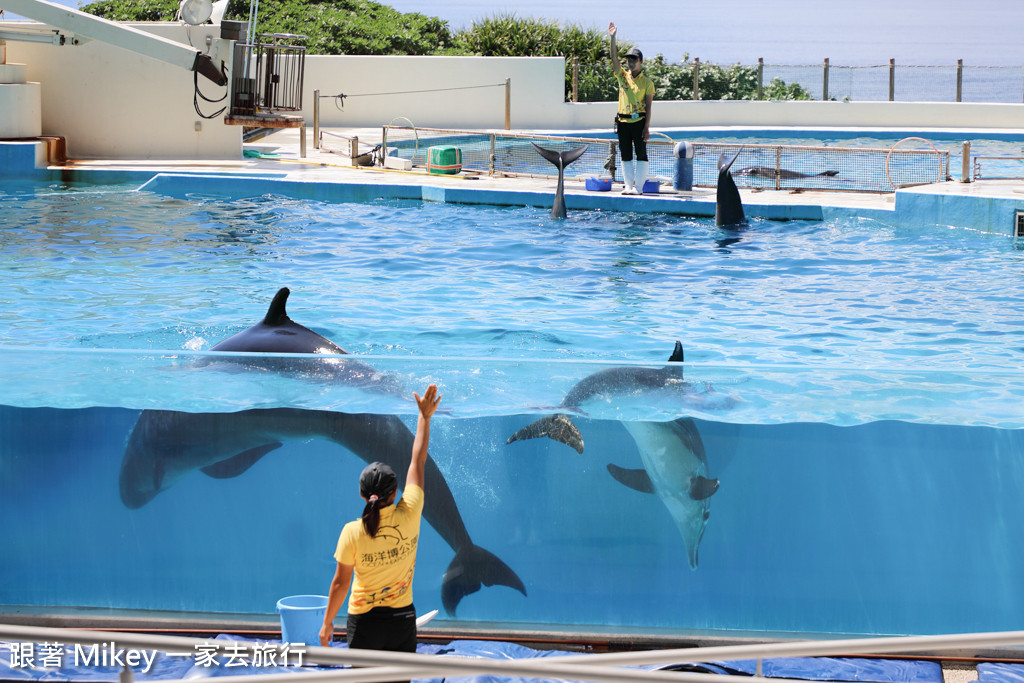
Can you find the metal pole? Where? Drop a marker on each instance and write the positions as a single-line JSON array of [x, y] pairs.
[[892, 80], [760, 78], [575, 79], [696, 78], [508, 104], [959, 80], [316, 119], [824, 85], [778, 168], [491, 160], [965, 171]]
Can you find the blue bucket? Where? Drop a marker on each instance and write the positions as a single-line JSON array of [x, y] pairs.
[[301, 618]]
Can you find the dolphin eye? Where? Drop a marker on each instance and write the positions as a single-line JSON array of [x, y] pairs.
[[707, 515]]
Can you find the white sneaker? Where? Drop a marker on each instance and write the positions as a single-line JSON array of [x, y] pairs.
[[628, 189]]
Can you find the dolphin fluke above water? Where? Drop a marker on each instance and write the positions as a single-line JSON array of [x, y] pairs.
[[560, 160], [728, 205], [675, 465], [165, 446]]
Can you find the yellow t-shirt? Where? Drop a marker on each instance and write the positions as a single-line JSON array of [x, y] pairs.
[[384, 565], [633, 94]]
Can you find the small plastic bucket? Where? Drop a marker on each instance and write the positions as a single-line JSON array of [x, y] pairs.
[[301, 618]]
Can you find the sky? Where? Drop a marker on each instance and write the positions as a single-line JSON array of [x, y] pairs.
[[855, 32]]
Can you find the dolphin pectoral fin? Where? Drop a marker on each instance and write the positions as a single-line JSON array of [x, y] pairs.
[[558, 427], [638, 480], [471, 568], [236, 464], [702, 488]]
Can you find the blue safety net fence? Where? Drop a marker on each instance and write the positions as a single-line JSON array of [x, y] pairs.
[[54, 662]]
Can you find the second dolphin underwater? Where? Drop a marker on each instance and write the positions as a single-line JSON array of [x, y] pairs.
[[675, 464], [166, 445]]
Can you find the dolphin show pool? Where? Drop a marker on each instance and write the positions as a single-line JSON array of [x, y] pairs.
[[841, 451]]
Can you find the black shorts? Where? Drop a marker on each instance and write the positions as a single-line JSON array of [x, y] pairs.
[[383, 628]]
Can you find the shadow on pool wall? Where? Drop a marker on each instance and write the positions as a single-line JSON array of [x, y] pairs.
[[885, 527]]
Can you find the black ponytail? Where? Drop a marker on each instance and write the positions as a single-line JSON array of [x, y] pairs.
[[376, 484], [371, 516]]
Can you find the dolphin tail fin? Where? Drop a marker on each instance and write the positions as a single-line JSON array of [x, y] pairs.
[[472, 568], [560, 159], [724, 163], [558, 427], [728, 205]]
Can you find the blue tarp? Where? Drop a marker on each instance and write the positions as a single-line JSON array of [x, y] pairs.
[[996, 672], [50, 662]]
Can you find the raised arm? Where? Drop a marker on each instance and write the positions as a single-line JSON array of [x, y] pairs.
[[427, 406], [616, 67]]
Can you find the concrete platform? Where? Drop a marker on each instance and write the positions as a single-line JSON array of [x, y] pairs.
[[985, 205]]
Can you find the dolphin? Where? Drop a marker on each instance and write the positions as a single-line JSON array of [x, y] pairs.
[[277, 333], [675, 464], [165, 445], [561, 160], [783, 173], [728, 205]]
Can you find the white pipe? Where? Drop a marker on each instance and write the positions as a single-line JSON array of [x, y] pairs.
[[596, 667]]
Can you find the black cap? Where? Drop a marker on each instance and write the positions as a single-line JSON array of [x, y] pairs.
[[377, 479], [634, 52]]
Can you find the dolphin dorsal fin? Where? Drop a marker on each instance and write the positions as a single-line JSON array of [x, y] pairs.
[[702, 488], [677, 353], [276, 314]]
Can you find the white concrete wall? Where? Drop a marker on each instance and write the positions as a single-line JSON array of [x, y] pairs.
[[114, 104], [111, 103], [537, 87]]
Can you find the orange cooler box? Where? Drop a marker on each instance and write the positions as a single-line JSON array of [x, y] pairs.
[[444, 159]]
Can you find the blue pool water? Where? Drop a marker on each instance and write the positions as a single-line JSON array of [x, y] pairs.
[[856, 390]]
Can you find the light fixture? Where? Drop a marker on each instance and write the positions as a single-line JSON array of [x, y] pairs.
[[195, 12]]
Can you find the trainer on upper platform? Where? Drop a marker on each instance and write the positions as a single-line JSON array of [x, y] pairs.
[[633, 122]]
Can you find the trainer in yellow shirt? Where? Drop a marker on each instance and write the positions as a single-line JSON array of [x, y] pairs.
[[376, 554], [633, 121]]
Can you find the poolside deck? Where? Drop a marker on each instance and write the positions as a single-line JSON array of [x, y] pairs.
[[986, 205]]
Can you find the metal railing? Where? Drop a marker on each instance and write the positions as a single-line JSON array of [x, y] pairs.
[[998, 167], [763, 166], [374, 666], [824, 81]]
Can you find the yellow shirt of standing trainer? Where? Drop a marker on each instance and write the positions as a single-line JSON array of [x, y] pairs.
[[633, 94], [384, 565]]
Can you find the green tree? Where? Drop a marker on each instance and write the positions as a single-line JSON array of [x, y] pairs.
[[364, 27], [331, 27], [507, 35]]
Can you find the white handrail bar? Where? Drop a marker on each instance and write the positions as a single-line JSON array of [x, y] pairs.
[[593, 667]]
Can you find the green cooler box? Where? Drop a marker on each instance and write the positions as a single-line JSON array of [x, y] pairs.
[[444, 159]]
